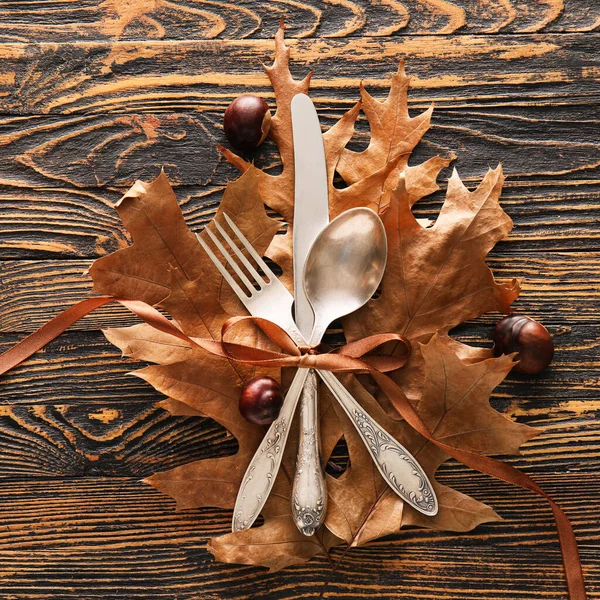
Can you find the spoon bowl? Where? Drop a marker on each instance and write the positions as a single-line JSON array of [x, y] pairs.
[[344, 266]]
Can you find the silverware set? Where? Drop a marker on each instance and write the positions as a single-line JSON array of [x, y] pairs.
[[337, 269]]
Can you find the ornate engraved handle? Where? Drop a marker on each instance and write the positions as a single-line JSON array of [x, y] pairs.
[[395, 463], [262, 470], [309, 493]]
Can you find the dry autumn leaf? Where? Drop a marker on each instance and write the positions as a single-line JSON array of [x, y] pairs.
[[454, 405], [436, 279], [368, 174], [193, 293]]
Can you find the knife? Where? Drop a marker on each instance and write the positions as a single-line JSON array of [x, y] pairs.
[[311, 215]]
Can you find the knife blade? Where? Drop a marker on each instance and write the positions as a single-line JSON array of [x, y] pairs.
[[311, 204], [311, 215]]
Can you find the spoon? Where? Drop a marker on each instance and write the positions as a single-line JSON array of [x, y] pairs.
[[343, 270], [344, 267], [337, 283]]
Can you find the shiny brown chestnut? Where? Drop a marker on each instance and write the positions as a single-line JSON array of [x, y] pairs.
[[533, 342], [261, 400], [247, 122]]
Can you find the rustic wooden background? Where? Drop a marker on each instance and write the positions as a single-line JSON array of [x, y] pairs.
[[95, 94]]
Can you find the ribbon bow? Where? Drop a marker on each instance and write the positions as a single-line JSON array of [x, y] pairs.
[[352, 357]]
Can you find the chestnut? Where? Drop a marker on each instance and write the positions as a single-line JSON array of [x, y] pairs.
[[532, 341], [261, 400], [247, 122]]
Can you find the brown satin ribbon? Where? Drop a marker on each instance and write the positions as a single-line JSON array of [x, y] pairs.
[[349, 358]]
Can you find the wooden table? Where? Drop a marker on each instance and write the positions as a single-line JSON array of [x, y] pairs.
[[96, 94]]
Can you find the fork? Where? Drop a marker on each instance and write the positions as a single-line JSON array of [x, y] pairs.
[[272, 301]]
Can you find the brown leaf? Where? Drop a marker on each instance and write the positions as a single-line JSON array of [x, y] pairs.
[[458, 512], [278, 190], [166, 264], [196, 384], [394, 134], [161, 239], [208, 386], [455, 407], [436, 278], [276, 544], [354, 513]]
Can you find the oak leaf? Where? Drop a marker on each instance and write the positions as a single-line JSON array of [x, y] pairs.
[[195, 382], [436, 278], [455, 406]]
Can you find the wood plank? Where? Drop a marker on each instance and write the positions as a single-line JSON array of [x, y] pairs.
[[74, 368], [67, 223], [84, 367], [138, 77], [82, 120], [89, 440], [559, 289], [58, 21], [538, 121], [100, 538], [542, 142], [120, 439]]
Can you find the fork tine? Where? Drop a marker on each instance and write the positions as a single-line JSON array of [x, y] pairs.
[[253, 253], [228, 278], [240, 255], [231, 261]]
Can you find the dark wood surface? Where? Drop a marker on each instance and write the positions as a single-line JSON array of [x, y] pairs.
[[97, 93]]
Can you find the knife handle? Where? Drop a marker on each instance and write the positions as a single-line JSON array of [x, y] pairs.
[[309, 491], [397, 465]]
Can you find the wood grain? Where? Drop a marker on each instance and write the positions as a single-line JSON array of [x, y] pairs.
[[36, 290], [120, 439], [141, 77], [536, 144], [69, 223], [89, 538], [108, 440], [57, 21]]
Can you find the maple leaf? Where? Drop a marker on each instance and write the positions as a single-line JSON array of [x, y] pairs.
[[436, 277], [455, 407], [355, 494], [161, 240], [207, 385], [166, 265]]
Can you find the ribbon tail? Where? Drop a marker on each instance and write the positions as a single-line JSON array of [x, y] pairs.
[[495, 468], [49, 331], [52, 329]]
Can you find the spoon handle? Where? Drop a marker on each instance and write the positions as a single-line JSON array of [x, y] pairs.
[[396, 464], [262, 471], [309, 492]]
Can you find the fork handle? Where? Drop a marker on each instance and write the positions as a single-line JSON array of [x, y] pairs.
[[262, 471], [309, 492]]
